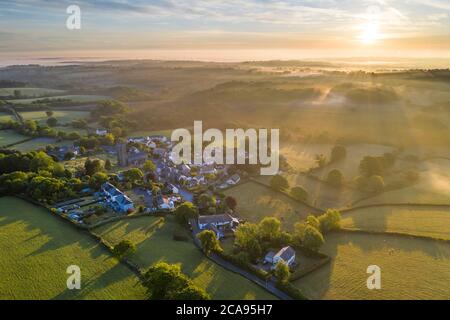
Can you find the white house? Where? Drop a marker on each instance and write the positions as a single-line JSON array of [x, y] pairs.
[[116, 199], [217, 220], [286, 255], [234, 179], [101, 132]]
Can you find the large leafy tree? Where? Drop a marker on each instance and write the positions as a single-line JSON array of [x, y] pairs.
[[209, 242], [166, 281], [279, 183], [186, 211]]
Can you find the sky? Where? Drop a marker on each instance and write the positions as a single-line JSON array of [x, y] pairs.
[[334, 28]]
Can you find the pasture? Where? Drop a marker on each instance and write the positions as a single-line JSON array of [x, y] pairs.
[[153, 238], [72, 98], [4, 117], [423, 221], [433, 186], [61, 116], [37, 143], [30, 92], [8, 137], [36, 248], [410, 268], [255, 201]]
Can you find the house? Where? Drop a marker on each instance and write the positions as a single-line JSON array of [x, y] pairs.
[[286, 255], [234, 179], [217, 231], [116, 199], [173, 188], [101, 132], [218, 221], [59, 153]]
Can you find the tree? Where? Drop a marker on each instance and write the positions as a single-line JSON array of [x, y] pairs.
[[123, 249], [312, 238], [108, 165], [166, 281], [245, 233], [231, 202], [209, 242], [190, 293], [149, 166], [269, 228], [282, 272], [69, 155], [299, 193], [338, 153], [330, 220], [299, 232], [17, 93], [97, 179], [49, 113], [375, 184], [312, 221], [335, 178], [186, 211], [52, 122], [92, 166], [279, 183], [370, 166], [133, 175]]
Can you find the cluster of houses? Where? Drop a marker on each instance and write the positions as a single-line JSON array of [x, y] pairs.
[[116, 199]]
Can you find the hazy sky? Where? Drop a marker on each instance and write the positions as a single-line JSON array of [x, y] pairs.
[[321, 27]]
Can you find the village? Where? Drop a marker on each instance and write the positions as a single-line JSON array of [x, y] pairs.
[[180, 183]]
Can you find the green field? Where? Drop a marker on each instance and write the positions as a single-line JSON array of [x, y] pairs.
[[8, 137], [433, 186], [153, 237], [73, 98], [61, 116], [423, 221], [410, 268], [36, 248], [256, 201], [38, 143], [4, 117], [30, 92]]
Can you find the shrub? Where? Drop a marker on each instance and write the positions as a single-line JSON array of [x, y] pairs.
[[335, 178], [123, 249], [299, 193]]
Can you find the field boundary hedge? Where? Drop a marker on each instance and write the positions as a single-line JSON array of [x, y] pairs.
[[319, 210], [375, 205], [390, 233]]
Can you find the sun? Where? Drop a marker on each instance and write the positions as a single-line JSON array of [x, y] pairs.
[[370, 33]]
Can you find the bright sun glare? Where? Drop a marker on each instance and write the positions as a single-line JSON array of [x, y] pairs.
[[370, 33]]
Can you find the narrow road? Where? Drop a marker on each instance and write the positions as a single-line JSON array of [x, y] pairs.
[[268, 285]]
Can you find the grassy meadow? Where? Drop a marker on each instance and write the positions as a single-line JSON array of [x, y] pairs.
[[61, 116], [8, 137], [423, 221], [72, 98], [30, 92], [153, 238], [410, 268], [256, 201], [36, 249]]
